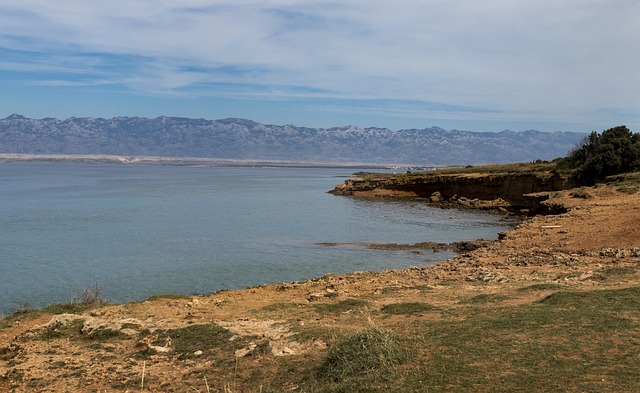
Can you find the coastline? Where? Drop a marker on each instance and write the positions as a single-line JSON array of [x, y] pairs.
[[594, 245], [15, 158]]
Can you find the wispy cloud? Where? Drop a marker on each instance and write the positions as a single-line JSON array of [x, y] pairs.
[[556, 59]]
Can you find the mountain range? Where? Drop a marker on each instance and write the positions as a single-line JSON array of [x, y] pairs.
[[248, 140]]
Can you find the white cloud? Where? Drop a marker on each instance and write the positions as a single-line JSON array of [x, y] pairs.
[[545, 57]]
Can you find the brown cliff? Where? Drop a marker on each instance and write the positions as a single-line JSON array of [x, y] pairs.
[[513, 188]]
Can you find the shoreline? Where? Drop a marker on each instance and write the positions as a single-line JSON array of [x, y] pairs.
[[18, 158]]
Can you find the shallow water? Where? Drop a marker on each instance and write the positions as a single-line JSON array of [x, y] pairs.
[[144, 230]]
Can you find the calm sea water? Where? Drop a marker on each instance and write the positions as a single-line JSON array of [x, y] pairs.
[[143, 230]]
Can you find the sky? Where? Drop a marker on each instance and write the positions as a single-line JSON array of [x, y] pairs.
[[570, 65]]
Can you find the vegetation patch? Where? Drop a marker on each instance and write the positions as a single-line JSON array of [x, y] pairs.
[[609, 299], [613, 273], [104, 334], [486, 298], [540, 287], [71, 329], [617, 271], [186, 341], [372, 351], [614, 151], [628, 190], [74, 330], [538, 167], [19, 314], [313, 332], [570, 341], [408, 308], [279, 306], [175, 296], [341, 306], [580, 193]]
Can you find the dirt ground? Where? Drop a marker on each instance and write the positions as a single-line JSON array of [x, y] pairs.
[[571, 249]]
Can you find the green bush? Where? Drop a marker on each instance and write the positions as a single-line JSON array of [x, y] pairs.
[[616, 150]]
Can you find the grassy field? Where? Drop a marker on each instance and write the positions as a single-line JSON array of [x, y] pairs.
[[567, 341]]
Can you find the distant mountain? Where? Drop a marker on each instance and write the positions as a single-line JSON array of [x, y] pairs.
[[246, 139]]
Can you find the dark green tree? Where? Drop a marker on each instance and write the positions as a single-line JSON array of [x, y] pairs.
[[616, 150]]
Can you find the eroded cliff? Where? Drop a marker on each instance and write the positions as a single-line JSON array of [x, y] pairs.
[[513, 188]]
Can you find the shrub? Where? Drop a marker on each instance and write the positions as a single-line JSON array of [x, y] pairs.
[[369, 351], [581, 194], [616, 150]]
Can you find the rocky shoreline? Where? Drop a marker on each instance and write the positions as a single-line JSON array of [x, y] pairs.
[[522, 193], [461, 246]]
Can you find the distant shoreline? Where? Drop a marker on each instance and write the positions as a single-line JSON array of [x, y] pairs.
[[189, 161]]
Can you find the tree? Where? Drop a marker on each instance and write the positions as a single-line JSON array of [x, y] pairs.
[[616, 150]]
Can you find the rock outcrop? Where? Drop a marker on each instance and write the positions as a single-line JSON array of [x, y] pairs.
[[520, 191]]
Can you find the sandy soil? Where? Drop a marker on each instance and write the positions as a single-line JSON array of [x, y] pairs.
[[571, 249]]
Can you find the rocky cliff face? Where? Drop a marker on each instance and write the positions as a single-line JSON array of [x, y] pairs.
[[512, 188], [245, 139]]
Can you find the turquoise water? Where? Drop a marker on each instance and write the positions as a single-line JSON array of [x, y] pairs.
[[144, 230]]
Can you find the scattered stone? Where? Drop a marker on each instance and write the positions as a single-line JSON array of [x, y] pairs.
[[160, 349], [314, 297], [435, 197]]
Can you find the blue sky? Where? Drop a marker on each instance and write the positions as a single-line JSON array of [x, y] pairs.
[[570, 65]]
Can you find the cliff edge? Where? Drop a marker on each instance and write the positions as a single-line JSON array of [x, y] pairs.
[[505, 190]]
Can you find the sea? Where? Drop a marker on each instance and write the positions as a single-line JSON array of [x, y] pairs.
[[135, 231]]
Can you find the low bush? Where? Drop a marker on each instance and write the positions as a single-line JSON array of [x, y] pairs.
[[616, 150], [370, 351]]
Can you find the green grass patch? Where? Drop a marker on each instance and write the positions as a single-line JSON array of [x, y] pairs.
[[544, 169], [628, 190], [341, 306], [279, 307], [610, 299], [370, 352], [19, 314], [540, 287], [569, 341], [73, 330], [581, 193], [206, 338], [313, 332], [617, 271], [408, 308]]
